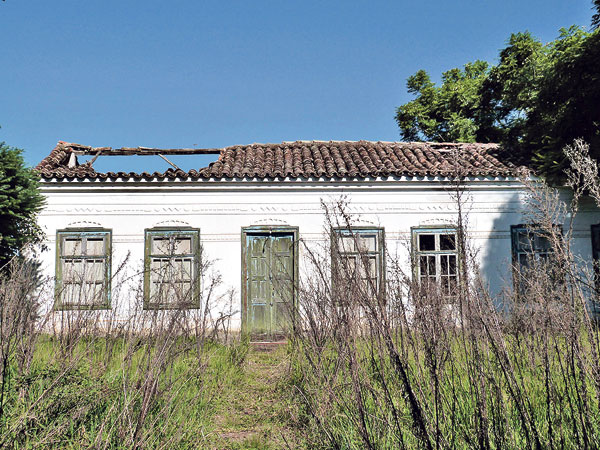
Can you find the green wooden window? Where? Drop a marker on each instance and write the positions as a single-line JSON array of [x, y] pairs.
[[596, 253], [528, 245], [83, 264], [359, 255], [436, 258], [532, 250], [171, 268]]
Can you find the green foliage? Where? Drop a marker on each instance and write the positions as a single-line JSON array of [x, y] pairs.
[[535, 100], [443, 113], [20, 201], [73, 399], [567, 102]]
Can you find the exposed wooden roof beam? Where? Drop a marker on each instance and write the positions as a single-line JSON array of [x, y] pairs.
[[128, 151], [172, 164]]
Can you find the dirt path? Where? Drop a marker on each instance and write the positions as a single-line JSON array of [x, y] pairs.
[[255, 413]]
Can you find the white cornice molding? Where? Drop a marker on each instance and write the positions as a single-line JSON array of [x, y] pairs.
[[323, 186], [276, 180]]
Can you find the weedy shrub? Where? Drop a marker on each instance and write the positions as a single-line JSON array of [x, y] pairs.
[[422, 365]]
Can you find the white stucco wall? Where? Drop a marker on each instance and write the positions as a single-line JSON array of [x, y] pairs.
[[221, 208]]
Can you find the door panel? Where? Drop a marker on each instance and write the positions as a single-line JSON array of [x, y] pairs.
[[282, 277], [270, 283], [259, 292]]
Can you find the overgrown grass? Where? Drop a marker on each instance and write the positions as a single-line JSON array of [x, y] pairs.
[[543, 402], [247, 398], [259, 411], [67, 405], [241, 399]]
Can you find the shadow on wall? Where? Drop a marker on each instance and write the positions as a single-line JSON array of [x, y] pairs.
[[496, 260]]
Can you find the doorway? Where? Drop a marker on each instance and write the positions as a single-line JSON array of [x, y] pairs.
[[269, 265]]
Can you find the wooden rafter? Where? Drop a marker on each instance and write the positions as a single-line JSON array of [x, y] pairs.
[[128, 151]]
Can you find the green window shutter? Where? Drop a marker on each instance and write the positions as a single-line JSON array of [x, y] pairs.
[[596, 253], [358, 253], [172, 268], [596, 242], [530, 247], [83, 268]]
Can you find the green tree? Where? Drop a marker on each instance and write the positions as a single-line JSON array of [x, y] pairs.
[[446, 113], [20, 201], [535, 100], [567, 105]]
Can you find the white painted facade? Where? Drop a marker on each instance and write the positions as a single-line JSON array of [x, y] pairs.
[[221, 208]]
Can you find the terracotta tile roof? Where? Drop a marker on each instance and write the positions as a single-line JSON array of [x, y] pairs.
[[300, 159]]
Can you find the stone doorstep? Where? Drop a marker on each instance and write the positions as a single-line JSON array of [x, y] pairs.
[[266, 345]]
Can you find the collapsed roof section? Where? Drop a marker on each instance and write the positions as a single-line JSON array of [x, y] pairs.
[[299, 159]]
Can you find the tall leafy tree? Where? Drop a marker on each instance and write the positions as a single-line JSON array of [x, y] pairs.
[[509, 92], [535, 100], [478, 103], [20, 201]]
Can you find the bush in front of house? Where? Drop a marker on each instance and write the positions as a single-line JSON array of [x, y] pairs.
[[20, 201]]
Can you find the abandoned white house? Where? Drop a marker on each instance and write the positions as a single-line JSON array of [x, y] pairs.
[[252, 206]]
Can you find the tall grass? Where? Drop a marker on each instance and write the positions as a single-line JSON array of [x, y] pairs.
[[88, 405]]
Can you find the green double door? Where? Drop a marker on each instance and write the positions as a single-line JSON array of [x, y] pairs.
[[269, 284]]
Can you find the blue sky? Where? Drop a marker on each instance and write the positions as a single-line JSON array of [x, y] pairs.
[[218, 73]]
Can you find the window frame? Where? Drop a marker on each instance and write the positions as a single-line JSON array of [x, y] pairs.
[[194, 233], [416, 253], [61, 235], [379, 232]]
